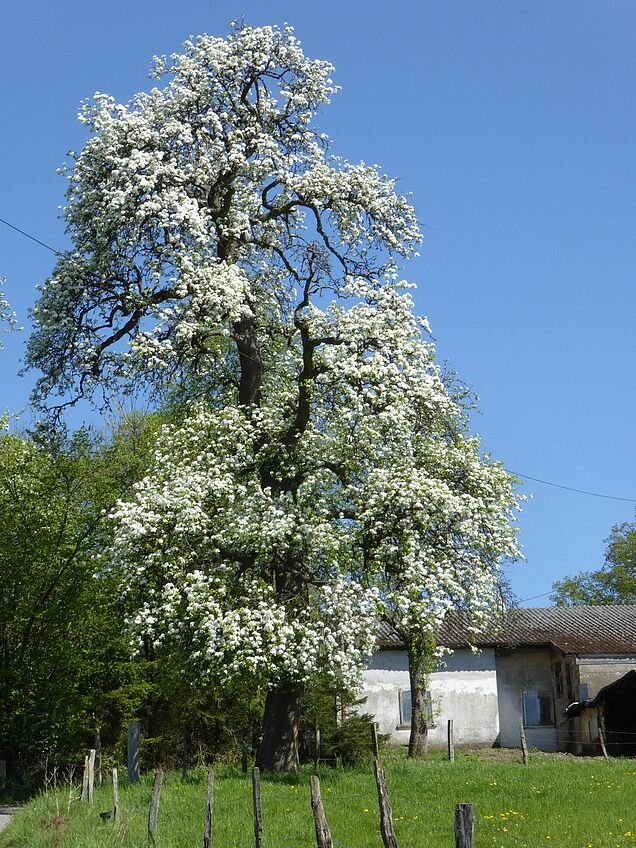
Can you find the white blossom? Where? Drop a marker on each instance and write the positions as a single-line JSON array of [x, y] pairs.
[[325, 480]]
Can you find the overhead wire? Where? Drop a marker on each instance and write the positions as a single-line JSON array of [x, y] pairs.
[[29, 236], [514, 473]]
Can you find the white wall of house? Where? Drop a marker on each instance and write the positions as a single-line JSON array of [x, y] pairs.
[[464, 689], [486, 694]]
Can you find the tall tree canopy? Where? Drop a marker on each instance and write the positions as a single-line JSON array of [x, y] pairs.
[[324, 477], [614, 583]]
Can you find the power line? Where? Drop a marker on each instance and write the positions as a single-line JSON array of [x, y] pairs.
[[516, 473], [29, 236], [534, 597], [570, 488]]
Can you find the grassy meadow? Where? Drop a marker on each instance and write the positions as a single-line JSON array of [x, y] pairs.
[[555, 801]]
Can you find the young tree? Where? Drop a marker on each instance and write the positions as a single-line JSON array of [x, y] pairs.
[[614, 583], [217, 240], [436, 537]]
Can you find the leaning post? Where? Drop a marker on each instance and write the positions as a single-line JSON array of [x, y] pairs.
[[323, 834], [153, 814], [386, 816], [524, 744]]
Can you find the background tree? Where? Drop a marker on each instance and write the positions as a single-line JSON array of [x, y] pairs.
[[66, 663], [46, 621], [614, 583], [216, 238]]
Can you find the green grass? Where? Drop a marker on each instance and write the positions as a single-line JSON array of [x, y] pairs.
[[555, 801]]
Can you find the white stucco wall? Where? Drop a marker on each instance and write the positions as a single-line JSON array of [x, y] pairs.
[[464, 689]]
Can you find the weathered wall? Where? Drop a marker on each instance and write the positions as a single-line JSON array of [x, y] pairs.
[[597, 671], [464, 689], [525, 669], [579, 735]]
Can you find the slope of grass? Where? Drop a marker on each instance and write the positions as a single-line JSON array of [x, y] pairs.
[[555, 801]]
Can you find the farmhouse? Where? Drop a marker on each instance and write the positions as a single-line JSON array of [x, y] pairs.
[[535, 666]]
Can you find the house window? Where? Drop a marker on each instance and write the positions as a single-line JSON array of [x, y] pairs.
[[405, 708], [537, 709], [558, 678]]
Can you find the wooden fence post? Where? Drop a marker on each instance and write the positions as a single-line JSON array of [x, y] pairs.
[[316, 744], [91, 775], [258, 816], [374, 740], [524, 744], [464, 826], [323, 834], [116, 808], [451, 741], [153, 815], [209, 809], [601, 735], [386, 817]]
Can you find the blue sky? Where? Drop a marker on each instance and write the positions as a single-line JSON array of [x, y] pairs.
[[513, 124]]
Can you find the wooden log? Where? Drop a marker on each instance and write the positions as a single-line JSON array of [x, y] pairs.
[[258, 815], [464, 826], [601, 735], [386, 817], [91, 775], [524, 744], [451, 741], [116, 807], [374, 740], [209, 810], [323, 834], [153, 814]]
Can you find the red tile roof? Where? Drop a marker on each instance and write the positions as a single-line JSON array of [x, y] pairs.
[[573, 630]]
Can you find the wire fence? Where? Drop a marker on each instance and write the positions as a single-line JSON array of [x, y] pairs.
[[435, 824]]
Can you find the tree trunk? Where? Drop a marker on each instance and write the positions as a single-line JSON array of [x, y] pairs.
[[251, 377], [418, 678], [278, 750]]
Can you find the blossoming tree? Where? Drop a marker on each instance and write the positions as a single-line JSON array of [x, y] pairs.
[[8, 319], [216, 238]]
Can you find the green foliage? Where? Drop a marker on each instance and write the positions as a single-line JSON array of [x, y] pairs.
[[65, 659], [614, 583], [188, 723], [345, 735]]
